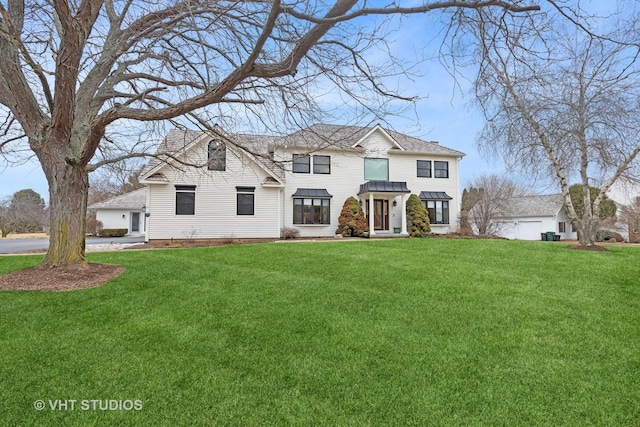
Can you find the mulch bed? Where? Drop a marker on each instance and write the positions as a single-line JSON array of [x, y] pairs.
[[59, 278]]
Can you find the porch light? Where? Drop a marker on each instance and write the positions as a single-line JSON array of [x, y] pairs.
[[144, 211], [395, 203], [360, 202]]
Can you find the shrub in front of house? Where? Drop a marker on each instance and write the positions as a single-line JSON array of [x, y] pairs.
[[417, 218], [289, 233], [113, 232], [93, 226], [608, 235], [352, 222]]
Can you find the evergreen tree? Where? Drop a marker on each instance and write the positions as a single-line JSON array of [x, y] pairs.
[[352, 222], [417, 217]]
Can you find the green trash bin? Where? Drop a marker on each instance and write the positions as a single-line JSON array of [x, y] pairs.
[[543, 236], [550, 235]]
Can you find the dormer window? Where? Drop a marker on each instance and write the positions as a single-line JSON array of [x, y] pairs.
[[217, 159]]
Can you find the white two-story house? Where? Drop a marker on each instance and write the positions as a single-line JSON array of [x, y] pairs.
[[248, 186]]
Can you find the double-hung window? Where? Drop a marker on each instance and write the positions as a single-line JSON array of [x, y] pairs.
[[245, 200], [185, 199], [424, 168], [301, 163], [321, 164], [441, 169]]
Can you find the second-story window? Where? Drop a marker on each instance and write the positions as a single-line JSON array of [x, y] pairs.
[[301, 163], [424, 168], [441, 169], [321, 164], [376, 169]]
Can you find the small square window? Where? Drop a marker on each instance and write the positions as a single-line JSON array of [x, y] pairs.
[[301, 163], [441, 169], [424, 168], [321, 164], [376, 169]]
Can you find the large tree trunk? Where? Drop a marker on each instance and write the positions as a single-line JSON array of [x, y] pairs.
[[68, 189], [586, 229]]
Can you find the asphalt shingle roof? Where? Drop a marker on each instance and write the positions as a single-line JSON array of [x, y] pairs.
[[133, 200], [313, 138], [529, 206]]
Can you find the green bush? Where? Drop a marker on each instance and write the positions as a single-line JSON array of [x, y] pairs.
[[606, 235], [352, 222], [113, 232], [417, 217]]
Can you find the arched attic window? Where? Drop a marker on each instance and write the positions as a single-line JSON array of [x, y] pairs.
[[217, 160]]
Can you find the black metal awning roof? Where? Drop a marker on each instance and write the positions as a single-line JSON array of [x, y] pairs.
[[312, 192], [434, 195], [383, 187]]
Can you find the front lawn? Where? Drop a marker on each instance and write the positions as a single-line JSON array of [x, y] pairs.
[[394, 332]]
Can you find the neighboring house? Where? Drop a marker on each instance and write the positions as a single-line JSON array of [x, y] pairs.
[[526, 218], [625, 193], [300, 180], [123, 211]]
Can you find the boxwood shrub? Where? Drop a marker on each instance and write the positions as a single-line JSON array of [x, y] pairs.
[[113, 232]]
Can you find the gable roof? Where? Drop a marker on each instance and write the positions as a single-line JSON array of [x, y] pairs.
[[133, 200], [179, 141], [321, 136], [313, 138], [530, 206]]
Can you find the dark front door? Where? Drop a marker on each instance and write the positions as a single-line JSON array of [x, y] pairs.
[[380, 214]]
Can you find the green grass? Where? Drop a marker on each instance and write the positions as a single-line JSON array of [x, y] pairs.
[[393, 333]]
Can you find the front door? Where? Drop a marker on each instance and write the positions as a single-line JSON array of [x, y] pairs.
[[135, 222], [380, 214]]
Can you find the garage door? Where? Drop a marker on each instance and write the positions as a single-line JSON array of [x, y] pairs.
[[529, 230]]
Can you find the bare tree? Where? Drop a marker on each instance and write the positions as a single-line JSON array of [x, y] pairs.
[[491, 197], [7, 221], [80, 78], [562, 103]]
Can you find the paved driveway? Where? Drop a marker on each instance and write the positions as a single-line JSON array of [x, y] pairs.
[[8, 246]]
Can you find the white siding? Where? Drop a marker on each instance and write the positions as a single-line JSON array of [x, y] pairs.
[[347, 173], [215, 203], [215, 199], [404, 167], [113, 218], [529, 228], [118, 218]]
